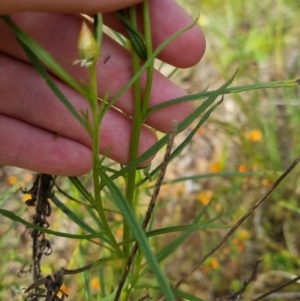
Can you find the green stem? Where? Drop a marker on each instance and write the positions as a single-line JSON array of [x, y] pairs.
[[135, 134], [150, 68], [93, 100]]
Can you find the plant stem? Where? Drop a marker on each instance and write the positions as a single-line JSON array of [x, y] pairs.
[[135, 134], [150, 68], [93, 100]]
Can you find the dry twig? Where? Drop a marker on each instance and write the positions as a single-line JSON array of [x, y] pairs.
[[150, 207]]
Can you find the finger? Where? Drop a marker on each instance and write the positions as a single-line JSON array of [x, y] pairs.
[[167, 18], [112, 75], [33, 102], [66, 6], [32, 148]]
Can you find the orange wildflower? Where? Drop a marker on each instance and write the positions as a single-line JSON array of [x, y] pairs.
[[255, 135], [205, 196], [215, 166], [119, 232], [242, 168], [239, 244], [266, 183], [214, 263], [11, 180], [95, 283], [200, 131], [65, 289]]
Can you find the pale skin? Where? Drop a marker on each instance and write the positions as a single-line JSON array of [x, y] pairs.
[[31, 116]]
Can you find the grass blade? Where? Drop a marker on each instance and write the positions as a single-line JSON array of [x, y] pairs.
[[16, 218], [86, 278], [71, 215], [230, 90], [82, 189], [225, 174], [138, 233], [191, 228]]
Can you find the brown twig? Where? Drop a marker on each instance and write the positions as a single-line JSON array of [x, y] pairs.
[[150, 207], [277, 288], [242, 219]]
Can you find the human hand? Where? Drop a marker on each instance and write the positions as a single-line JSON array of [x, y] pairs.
[[30, 115]]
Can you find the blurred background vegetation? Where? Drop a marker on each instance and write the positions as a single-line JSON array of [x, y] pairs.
[[235, 157]]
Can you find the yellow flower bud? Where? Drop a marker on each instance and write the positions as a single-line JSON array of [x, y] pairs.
[[87, 46]]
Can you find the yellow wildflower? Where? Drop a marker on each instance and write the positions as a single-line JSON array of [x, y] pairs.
[[26, 197]]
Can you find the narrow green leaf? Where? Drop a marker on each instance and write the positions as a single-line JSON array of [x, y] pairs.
[[120, 38], [76, 219], [51, 84], [225, 174], [138, 233], [95, 217], [16, 218], [72, 215], [191, 227], [172, 72], [44, 56], [135, 37], [86, 278], [82, 190], [98, 30], [230, 90], [163, 254], [172, 229]]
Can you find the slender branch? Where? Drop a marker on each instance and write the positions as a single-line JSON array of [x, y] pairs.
[[242, 219], [151, 206], [277, 289]]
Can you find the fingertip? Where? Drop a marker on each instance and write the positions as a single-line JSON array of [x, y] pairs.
[[189, 47]]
